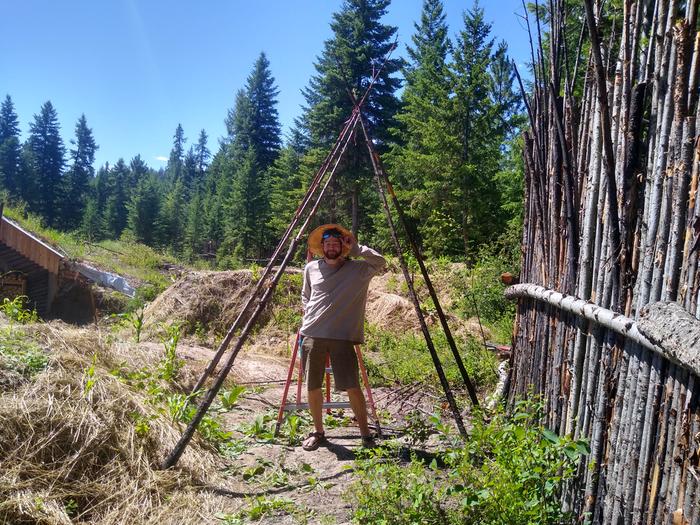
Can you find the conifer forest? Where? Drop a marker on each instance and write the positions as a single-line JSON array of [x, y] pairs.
[[549, 203], [446, 119]]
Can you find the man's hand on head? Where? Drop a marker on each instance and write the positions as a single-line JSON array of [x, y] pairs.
[[349, 242]]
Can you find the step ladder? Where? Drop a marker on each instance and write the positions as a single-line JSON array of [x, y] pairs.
[[327, 404]]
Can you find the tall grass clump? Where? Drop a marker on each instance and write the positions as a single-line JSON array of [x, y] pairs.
[[405, 359]]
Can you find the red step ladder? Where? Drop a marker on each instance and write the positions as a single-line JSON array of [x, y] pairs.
[[327, 404]]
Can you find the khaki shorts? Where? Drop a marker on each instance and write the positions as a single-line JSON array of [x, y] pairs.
[[343, 362]]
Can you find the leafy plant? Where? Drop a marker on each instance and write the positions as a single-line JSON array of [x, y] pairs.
[[230, 397], [16, 309], [261, 428], [20, 354], [259, 507], [405, 359], [134, 319], [509, 470], [170, 365], [90, 377]]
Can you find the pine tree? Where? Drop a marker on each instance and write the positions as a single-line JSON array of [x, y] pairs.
[[202, 153], [92, 222], [138, 170], [143, 211], [115, 214], [171, 218], [264, 124], [251, 147], [189, 173], [80, 174], [481, 131], [10, 148], [426, 157], [46, 160], [194, 228], [286, 190], [359, 45], [175, 165]]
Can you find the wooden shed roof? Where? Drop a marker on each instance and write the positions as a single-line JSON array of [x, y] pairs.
[[30, 246]]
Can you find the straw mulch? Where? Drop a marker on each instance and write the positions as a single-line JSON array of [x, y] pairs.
[[71, 454], [210, 299]]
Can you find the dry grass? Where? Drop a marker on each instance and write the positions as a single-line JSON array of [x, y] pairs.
[[70, 453], [212, 299]]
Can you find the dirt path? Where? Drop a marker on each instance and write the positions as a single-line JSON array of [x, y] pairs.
[[311, 483]]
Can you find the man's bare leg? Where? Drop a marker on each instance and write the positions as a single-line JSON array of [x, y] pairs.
[[359, 408], [316, 408]]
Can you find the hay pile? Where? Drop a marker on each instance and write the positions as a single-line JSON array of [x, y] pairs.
[[391, 312], [211, 300], [71, 454]]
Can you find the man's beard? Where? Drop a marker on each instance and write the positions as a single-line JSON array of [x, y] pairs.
[[331, 255]]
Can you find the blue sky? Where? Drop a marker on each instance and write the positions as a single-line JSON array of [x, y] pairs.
[[138, 68]]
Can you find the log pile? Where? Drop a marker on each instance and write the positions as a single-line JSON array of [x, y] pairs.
[[612, 218]]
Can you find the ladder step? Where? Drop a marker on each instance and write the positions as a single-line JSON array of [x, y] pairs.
[[301, 406]]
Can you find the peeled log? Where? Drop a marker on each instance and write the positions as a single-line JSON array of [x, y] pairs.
[[675, 330], [664, 327]]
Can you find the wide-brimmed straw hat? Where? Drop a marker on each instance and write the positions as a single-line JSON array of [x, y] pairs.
[[315, 241]]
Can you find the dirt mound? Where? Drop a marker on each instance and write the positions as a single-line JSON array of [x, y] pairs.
[[202, 300]]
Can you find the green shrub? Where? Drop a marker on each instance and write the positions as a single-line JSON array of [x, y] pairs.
[[16, 309], [509, 470]]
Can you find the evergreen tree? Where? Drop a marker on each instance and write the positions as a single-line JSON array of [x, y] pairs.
[[46, 160], [175, 165], [189, 172], [359, 45], [79, 176], [194, 228], [170, 223], [10, 148], [286, 190], [426, 156], [115, 214], [138, 170], [252, 146], [143, 211], [202, 153], [92, 222], [264, 122]]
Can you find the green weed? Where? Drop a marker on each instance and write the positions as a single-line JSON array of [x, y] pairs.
[[16, 309], [229, 398], [259, 507], [405, 359], [21, 354], [170, 365], [509, 470]]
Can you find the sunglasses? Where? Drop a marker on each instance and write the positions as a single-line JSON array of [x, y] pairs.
[[331, 233]]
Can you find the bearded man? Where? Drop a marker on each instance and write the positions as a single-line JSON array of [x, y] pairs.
[[334, 296]]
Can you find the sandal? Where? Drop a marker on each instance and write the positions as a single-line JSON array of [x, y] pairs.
[[368, 442], [314, 440]]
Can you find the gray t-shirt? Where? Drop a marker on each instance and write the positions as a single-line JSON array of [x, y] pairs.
[[334, 299]]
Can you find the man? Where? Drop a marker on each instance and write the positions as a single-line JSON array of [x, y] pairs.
[[334, 297]]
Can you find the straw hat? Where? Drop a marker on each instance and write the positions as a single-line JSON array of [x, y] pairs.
[[315, 241]]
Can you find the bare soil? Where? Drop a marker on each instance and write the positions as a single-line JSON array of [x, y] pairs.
[[315, 481]]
